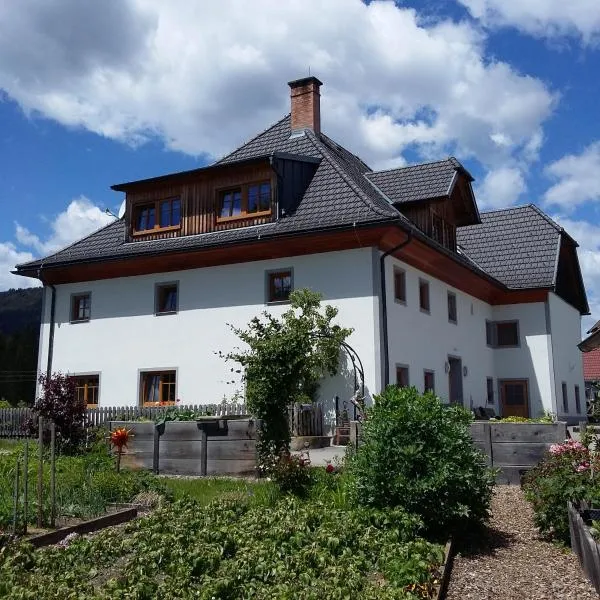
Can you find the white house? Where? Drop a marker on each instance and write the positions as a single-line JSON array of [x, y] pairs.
[[483, 308]]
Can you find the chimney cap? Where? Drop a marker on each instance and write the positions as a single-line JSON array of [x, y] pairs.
[[304, 81]]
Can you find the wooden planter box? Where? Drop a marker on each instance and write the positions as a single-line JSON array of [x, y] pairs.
[[585, 546], [178, 450], [515, 448]]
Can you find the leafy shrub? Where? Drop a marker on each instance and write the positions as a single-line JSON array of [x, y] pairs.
[[59, 403], [5, 403], [296, 549], [563, 475], [289, 471], [418, 454]]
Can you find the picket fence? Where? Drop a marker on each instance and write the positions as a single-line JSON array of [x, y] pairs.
[[14, 422]]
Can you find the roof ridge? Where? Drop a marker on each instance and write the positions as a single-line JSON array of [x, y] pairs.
[[355, 188], [505, 208], [432, 162], [348, 151], [288, 115], [545, 216]]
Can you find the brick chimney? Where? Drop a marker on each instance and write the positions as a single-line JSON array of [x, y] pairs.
[[306, 104]]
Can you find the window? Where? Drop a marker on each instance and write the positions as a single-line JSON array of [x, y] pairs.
[[565, 397], [402, 376], [577, 400], [490, 390], [428, 381], [81, 306], [279, 285], [87, 387], [161, 214], [452, 316], [250, 200], [166, 299], [502, 334], [157, 388], [400, 285], [424, 295]]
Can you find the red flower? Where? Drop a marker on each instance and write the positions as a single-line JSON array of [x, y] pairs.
[[329, 468], [119, 437]]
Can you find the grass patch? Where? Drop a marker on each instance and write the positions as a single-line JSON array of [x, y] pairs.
[[204, 491], [6, 445]]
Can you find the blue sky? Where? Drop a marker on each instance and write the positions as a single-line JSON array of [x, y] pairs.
[[92, 94]]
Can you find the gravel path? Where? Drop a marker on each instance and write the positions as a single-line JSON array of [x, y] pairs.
[[511, 562]]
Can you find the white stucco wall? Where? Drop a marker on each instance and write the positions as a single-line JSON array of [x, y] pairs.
[[425, 340], [565, 323], [532, 359], [124, 336]]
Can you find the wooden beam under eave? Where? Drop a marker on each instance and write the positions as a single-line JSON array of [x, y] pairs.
[[520, 296]]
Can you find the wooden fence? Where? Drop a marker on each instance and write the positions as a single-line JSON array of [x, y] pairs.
[[306, 420], [584, 546], [13, 421]]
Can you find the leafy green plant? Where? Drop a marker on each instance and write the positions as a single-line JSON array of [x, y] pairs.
[[284, 360], [418, 454], [548, 418], [565, 474], [290, 472], [232, 549]]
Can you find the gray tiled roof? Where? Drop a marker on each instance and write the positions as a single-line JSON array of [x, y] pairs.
[[417, 182], [518, 246], [338, 195]]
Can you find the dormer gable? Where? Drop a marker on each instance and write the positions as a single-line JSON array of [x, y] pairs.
[[437, 197], [221, 196]]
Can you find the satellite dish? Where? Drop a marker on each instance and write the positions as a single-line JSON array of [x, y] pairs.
[[122, 209]]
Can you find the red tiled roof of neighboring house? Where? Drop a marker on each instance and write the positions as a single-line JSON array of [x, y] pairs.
[[591, 365]]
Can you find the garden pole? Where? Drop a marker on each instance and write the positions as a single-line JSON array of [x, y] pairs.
[[203, 452], [40, 482], [16, 499], [52, 473], [25, 484]]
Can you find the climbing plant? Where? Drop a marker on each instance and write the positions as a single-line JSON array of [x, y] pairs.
[[283, 361]]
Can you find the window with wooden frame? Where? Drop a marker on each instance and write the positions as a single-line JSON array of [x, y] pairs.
[[402, 376], [279, 285], [452, 312], [87, 389], [81, 307], [424, 295], [158, 388], [502, 334], [166, 298], [400, 285], [159, 215], [428, 381], [244, 201]]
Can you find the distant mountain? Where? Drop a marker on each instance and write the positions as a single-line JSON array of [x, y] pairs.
[[20, 313]]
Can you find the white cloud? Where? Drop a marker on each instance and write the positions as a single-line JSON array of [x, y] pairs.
[[501, 187], [9, 257], [205, 76], [549, 19], [79, 219], [577, 179]]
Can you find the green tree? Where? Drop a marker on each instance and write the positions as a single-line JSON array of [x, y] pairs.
[[284, 361]]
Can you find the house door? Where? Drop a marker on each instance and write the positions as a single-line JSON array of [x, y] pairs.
[[455, 381], [514, 398]]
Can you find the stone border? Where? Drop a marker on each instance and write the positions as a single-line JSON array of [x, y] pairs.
[[446, 568], [53, 537]]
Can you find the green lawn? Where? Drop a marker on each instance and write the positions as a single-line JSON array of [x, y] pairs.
[[206, 490]]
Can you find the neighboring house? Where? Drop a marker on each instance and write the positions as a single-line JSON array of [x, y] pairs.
[[591, 371], [484, 309]]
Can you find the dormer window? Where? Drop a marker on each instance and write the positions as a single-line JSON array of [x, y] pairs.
[[159, 215], [245, 201]]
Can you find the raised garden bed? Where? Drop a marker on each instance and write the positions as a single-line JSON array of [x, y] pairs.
[[176, 447], [583, 543]]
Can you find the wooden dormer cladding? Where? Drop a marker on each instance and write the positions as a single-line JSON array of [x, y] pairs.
[[438, 218], [199, 193]]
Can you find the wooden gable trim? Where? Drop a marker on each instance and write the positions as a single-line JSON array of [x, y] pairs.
[[417, 253]]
